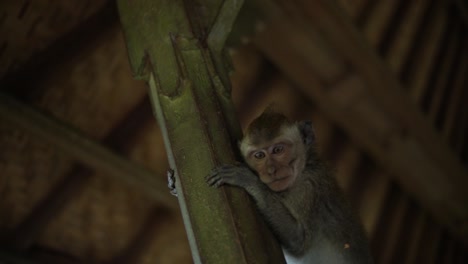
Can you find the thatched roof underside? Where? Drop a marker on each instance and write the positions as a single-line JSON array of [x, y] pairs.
[[67, 61]]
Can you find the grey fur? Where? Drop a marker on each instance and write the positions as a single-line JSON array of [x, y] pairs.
[[311, 219]]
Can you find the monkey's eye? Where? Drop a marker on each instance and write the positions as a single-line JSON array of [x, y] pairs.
[[278, 149], [259, 155]]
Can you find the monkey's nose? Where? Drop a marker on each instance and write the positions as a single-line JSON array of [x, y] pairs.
[[271, 170]]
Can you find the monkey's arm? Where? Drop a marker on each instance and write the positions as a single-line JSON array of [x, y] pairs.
[[285, 224]]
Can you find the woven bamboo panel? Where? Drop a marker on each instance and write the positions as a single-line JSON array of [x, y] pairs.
[[104, 220], [92, 93], [27, 27]]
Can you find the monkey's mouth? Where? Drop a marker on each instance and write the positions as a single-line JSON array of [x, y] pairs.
[[279, 184]]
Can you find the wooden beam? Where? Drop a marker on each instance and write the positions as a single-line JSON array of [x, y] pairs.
[[324, 131], [415, 239], [86, 150], [348, 163], [365, 13], [10, 257], [461, 138], [460, 254], [69, 46], [405, 235], [462, 9], [140, 244], [24, 235], [398, 48], [361, 177], [190, 93], [428, 250], [390, 225], [40, 255], [456, 101], [367, 102], [446, 68], [74, 181], [418, 75], [379, 20], [371, 204], [449, 254], [354, 8]]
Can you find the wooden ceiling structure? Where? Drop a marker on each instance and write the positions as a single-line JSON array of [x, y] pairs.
[[83, 164]]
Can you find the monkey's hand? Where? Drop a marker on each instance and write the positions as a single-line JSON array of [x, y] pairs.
[[284, 223], [235, 175]]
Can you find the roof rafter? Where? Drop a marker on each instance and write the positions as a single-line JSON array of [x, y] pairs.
[[83, 148]]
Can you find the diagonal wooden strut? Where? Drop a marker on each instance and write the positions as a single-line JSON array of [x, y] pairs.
[[176, 46], [86, 150]]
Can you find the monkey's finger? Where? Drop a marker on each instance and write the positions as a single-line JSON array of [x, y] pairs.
[[214, 180], [212, 174], [217, 172], [217, 182], [211, 181], [209, 178]]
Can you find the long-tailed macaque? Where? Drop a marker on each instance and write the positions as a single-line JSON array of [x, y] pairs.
[[295, 193]]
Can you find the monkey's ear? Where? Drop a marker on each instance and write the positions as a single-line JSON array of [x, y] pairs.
[[307, 132]]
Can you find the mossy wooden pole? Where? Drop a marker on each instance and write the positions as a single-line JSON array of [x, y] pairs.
[[177, 46]]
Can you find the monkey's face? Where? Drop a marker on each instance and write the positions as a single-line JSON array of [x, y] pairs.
[[277, 164], [276, 153]]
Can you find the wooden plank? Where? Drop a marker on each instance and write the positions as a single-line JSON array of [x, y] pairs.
[[461, 137], [68, 47], [406, 235], [347, 164], [365, 13], [38, 257], [384, 222], [419, 74], [417, 229], [456, 100], [464, 153], [316, 52], [10, 257], [447, 66], [432, 238], [379, 20], [425, 25], [190, 94], [382, 87], [254, 77], [392, 227], [354, 8], [462, 9], [449, 254], [24, 235], [371, 205], [86, 150], [363, 102], [399, 48], [324, 131], [462, 255], [446, 249], [141, 242], [74, 181], [363, 172]]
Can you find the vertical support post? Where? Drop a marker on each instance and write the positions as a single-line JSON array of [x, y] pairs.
[[177, 47]]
